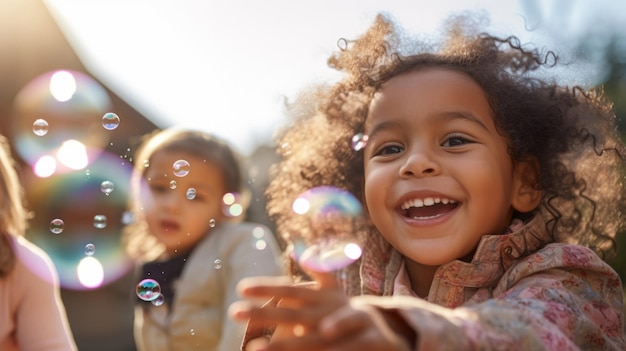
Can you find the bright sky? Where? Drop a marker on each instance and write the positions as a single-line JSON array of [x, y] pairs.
[[227, 66]]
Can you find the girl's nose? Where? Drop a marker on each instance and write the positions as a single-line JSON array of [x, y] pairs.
[[419, 164]]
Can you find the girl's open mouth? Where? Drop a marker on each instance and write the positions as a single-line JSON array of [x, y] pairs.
[[427, 208]]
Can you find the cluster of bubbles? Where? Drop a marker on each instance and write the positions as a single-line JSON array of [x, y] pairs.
[[110, 121], [57, 225], [332, 213], [231, 202], [61, 124]]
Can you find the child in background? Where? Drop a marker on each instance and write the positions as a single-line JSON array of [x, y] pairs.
[[32, 315], [489, 194], [183, 239]]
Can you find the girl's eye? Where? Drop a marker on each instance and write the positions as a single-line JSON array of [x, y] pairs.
[[455, 140], [389, 150], [157, 188]]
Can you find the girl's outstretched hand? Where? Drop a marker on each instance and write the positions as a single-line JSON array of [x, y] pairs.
[[319, 317]]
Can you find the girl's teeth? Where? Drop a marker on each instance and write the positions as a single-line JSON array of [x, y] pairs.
[[429, 201]]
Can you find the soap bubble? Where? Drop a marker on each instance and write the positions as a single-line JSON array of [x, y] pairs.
[[90, 249], [159, 300], [107, 187], [181, 168], [40, 127], [191, 193], [56, 226], [331, 213], [100, 221], [110, 121], [148, 289], [359, 141]]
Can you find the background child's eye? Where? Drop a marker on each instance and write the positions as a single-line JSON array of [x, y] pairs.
[[389, 149], [158, 188]]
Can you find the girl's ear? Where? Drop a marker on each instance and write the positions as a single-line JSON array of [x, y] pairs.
[[526, 194]]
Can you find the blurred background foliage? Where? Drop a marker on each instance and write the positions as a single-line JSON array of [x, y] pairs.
[[608, 52]]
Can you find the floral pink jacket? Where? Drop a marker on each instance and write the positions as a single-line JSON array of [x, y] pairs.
[[521, 292]]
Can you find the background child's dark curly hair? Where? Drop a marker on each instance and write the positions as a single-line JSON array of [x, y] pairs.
[[570, 131]]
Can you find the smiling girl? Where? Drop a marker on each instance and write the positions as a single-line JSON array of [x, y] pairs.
[[491, 197]]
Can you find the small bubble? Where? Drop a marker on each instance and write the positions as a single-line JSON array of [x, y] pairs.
[[56, 226], [148, 289], [181, 168], [173, 184], [191, 193], [359, 141], [146, 163], [40, 127], [217, 264], [90, 249], [212, 223], [159, 300], [193, 332], [100, 221], [107, 187], [110, 121]]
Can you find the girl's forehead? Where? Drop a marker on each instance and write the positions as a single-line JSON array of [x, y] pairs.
[[429, 92]]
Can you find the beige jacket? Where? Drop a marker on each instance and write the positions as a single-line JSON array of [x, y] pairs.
[[198, 319]]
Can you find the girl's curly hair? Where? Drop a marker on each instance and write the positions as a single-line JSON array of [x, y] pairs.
[[569, 130]]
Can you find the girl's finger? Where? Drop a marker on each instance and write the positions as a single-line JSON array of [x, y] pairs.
[[326, 280]]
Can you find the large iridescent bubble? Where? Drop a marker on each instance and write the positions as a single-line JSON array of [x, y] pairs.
[[67, 228], [331, 213], [61, 108]]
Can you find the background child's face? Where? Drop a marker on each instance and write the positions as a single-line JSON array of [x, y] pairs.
[[174, 216], [437, 173]]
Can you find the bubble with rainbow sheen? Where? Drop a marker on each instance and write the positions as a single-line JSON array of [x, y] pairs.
[[331, 213], [76, 198], [181, 168], [148, 290], [359, 141], [110, 121], [70, 101]]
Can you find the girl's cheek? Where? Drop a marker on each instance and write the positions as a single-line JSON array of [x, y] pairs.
[[146, 201]]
